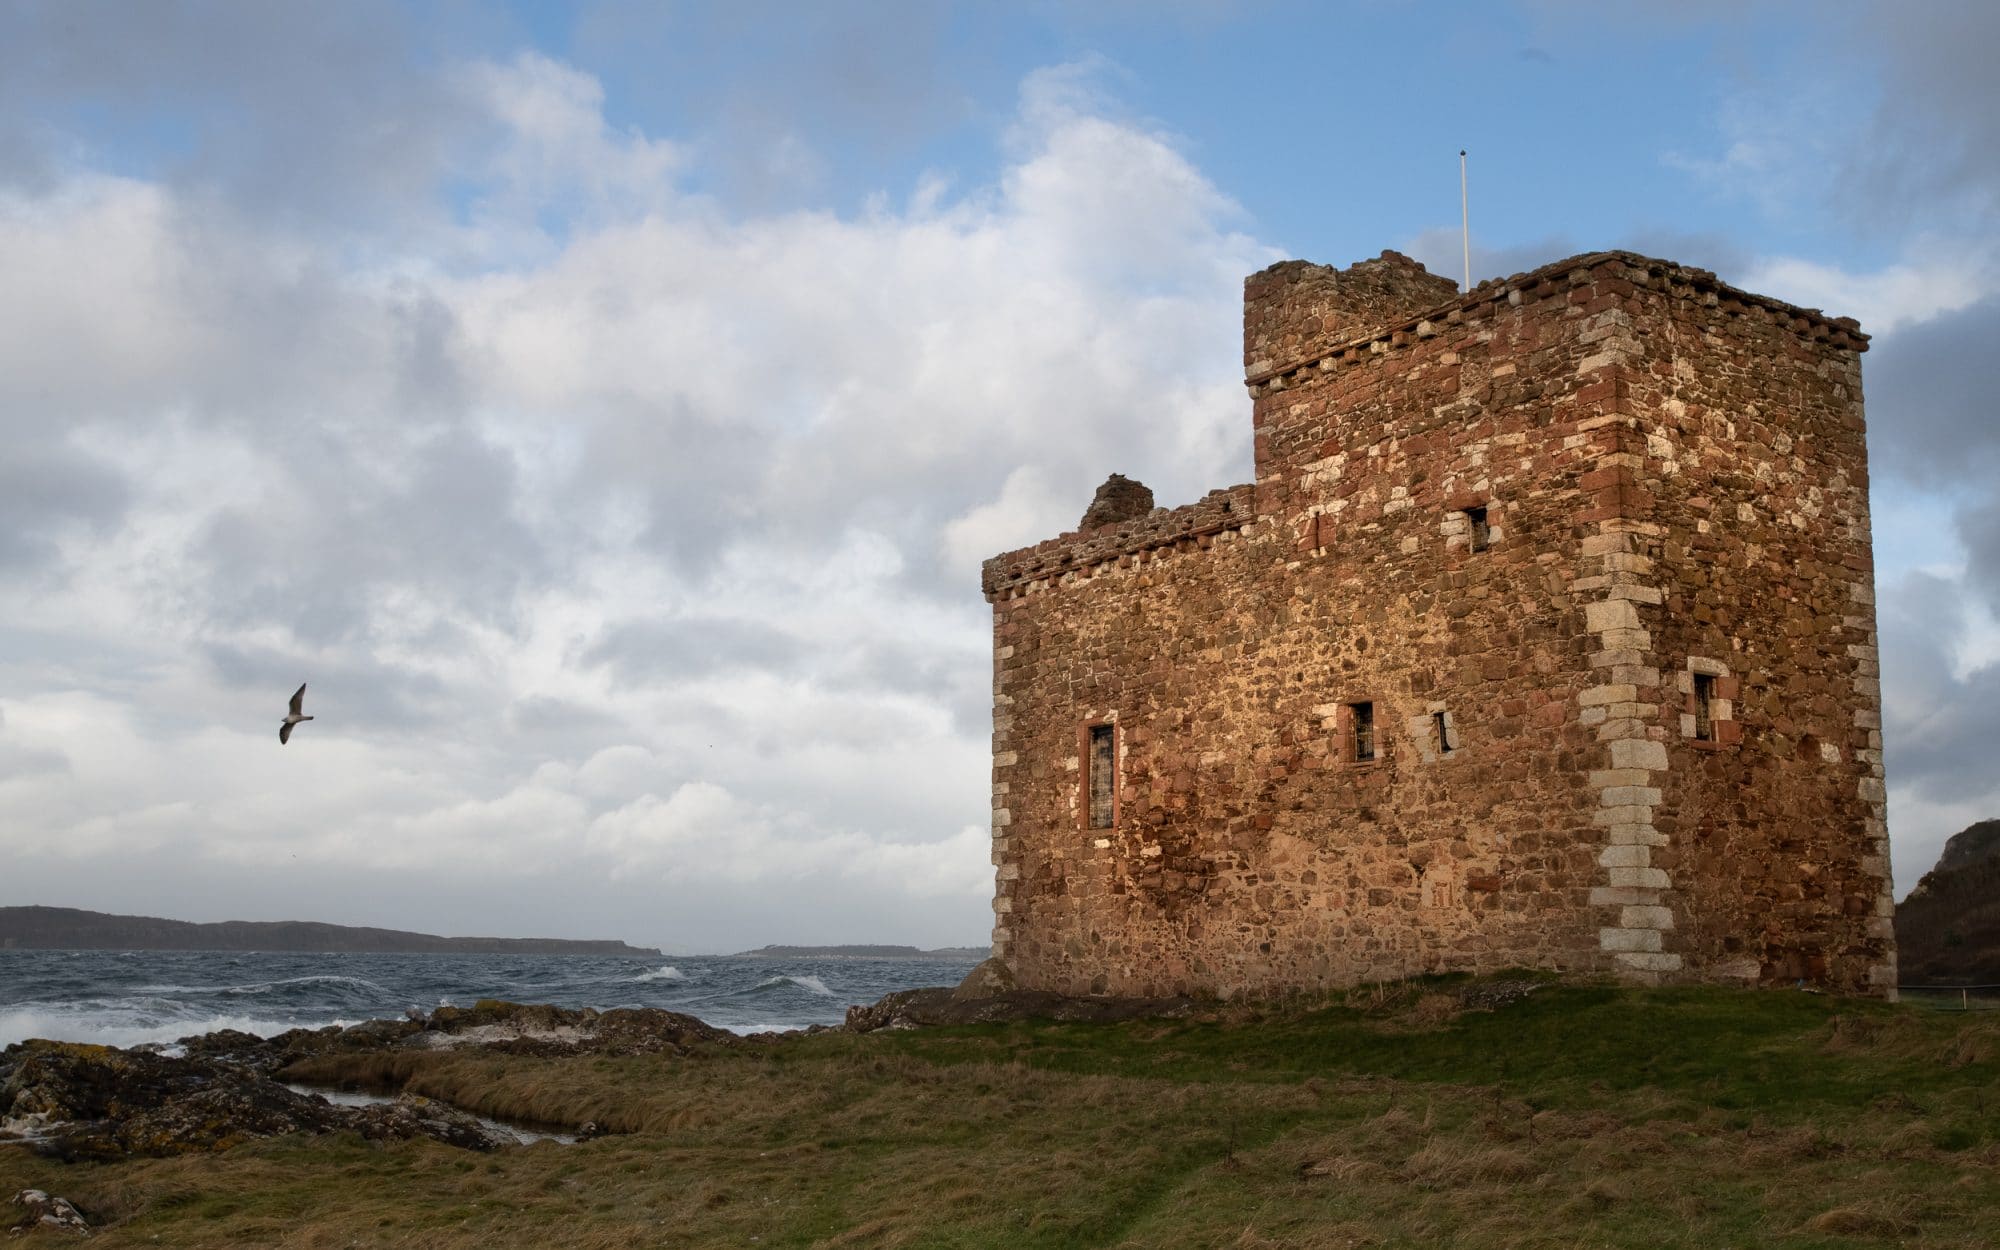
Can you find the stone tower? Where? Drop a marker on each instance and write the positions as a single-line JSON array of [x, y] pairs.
[[1544, 637]]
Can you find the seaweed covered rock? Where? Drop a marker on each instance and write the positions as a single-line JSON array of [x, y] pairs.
[[512, 1028], [80, 1102]]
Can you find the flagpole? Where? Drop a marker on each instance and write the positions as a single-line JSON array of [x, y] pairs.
[[1465, 219]]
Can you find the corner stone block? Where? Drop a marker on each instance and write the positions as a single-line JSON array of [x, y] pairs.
[[1635, 834], [1630, 814], [1630, 796], [1610, 614], [1610, 777], [1641, 917], [1631, 638], [1628, 939], [1595, 696], [1636, 875], [1639, 754], [1650, 961]]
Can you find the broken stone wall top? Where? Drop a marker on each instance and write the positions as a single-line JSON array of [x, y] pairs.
[[1119, 499], [1197, 522], [1295, 309]]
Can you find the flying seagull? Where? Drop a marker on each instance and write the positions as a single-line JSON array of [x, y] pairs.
[[296, 715]]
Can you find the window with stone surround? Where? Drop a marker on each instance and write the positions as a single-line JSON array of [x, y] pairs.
[[1478, 535], [1100, 764], [1441, 723], [1358, 727], [1709, 694]]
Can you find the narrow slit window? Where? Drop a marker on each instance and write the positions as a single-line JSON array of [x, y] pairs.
[[1704, 707], [1445, 744], [1480, 534], [1363, 715], [1102, 796]]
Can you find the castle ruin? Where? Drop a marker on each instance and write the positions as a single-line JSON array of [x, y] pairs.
[[1545, 637]]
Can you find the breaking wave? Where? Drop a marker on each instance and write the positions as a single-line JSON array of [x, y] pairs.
[[810, 984], [128, 1028], [124, 999]]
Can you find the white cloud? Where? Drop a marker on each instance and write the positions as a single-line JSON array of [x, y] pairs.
[[1934, 281], [467, 499]]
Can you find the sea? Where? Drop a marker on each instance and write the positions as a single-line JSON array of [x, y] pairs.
[[124, 998]]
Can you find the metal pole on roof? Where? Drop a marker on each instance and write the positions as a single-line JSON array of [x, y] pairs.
[[1465, 219]]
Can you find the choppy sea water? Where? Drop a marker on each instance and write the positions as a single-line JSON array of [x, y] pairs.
[[122, 998]]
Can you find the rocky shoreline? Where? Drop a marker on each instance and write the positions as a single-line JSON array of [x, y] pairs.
[[211, 1091]]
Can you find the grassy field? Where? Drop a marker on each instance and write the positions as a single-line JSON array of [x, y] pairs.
[[1582, 1115]]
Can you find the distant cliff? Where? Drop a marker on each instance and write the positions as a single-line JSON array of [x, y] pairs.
[[949, 954], [1948, 929], [67, 928]]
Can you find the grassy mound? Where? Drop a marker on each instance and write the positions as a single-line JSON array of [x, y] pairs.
[[1411, 1115]]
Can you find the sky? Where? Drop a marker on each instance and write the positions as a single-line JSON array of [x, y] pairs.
[[606, 407]]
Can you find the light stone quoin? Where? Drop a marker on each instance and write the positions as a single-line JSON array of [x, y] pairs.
[[1667, 469]]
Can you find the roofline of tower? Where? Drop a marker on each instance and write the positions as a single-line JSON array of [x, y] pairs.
[[1812, 322]]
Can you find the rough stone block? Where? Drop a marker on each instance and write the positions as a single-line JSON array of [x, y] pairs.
[[1637, 875], [1630, 796], [1612, 777], [1650, 961], [1639, 753], [1620, 896], [1607, 694], [1609, 614], [1628, 939]]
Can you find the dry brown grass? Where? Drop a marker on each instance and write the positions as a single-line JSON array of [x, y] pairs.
[[1140, 1136]]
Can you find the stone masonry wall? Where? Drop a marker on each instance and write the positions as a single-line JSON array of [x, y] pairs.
[[1754, 477], [1533, 801]]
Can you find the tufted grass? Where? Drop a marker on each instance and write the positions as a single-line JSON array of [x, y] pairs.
[[1584, 1115]]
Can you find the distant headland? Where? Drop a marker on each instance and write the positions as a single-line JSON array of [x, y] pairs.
[[948, 954], [68, 928]]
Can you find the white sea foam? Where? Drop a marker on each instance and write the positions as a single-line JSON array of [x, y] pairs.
[[116, 1028], [665, 973], [264, 987], [811, 984]]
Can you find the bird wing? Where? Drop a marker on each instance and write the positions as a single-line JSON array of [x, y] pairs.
[[284, 733], [299, 699]]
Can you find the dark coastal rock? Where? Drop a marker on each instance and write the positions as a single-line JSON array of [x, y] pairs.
[[511, 1028], [47, 1211], [99, 1103], [910, 1009], [413, 1115], [991, 977]]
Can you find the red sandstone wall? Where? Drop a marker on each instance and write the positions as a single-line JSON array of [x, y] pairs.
[[1249, 853], [1755, 472], [1223, 638]]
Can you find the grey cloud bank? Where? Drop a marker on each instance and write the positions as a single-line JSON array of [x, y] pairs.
[[624, 516]]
